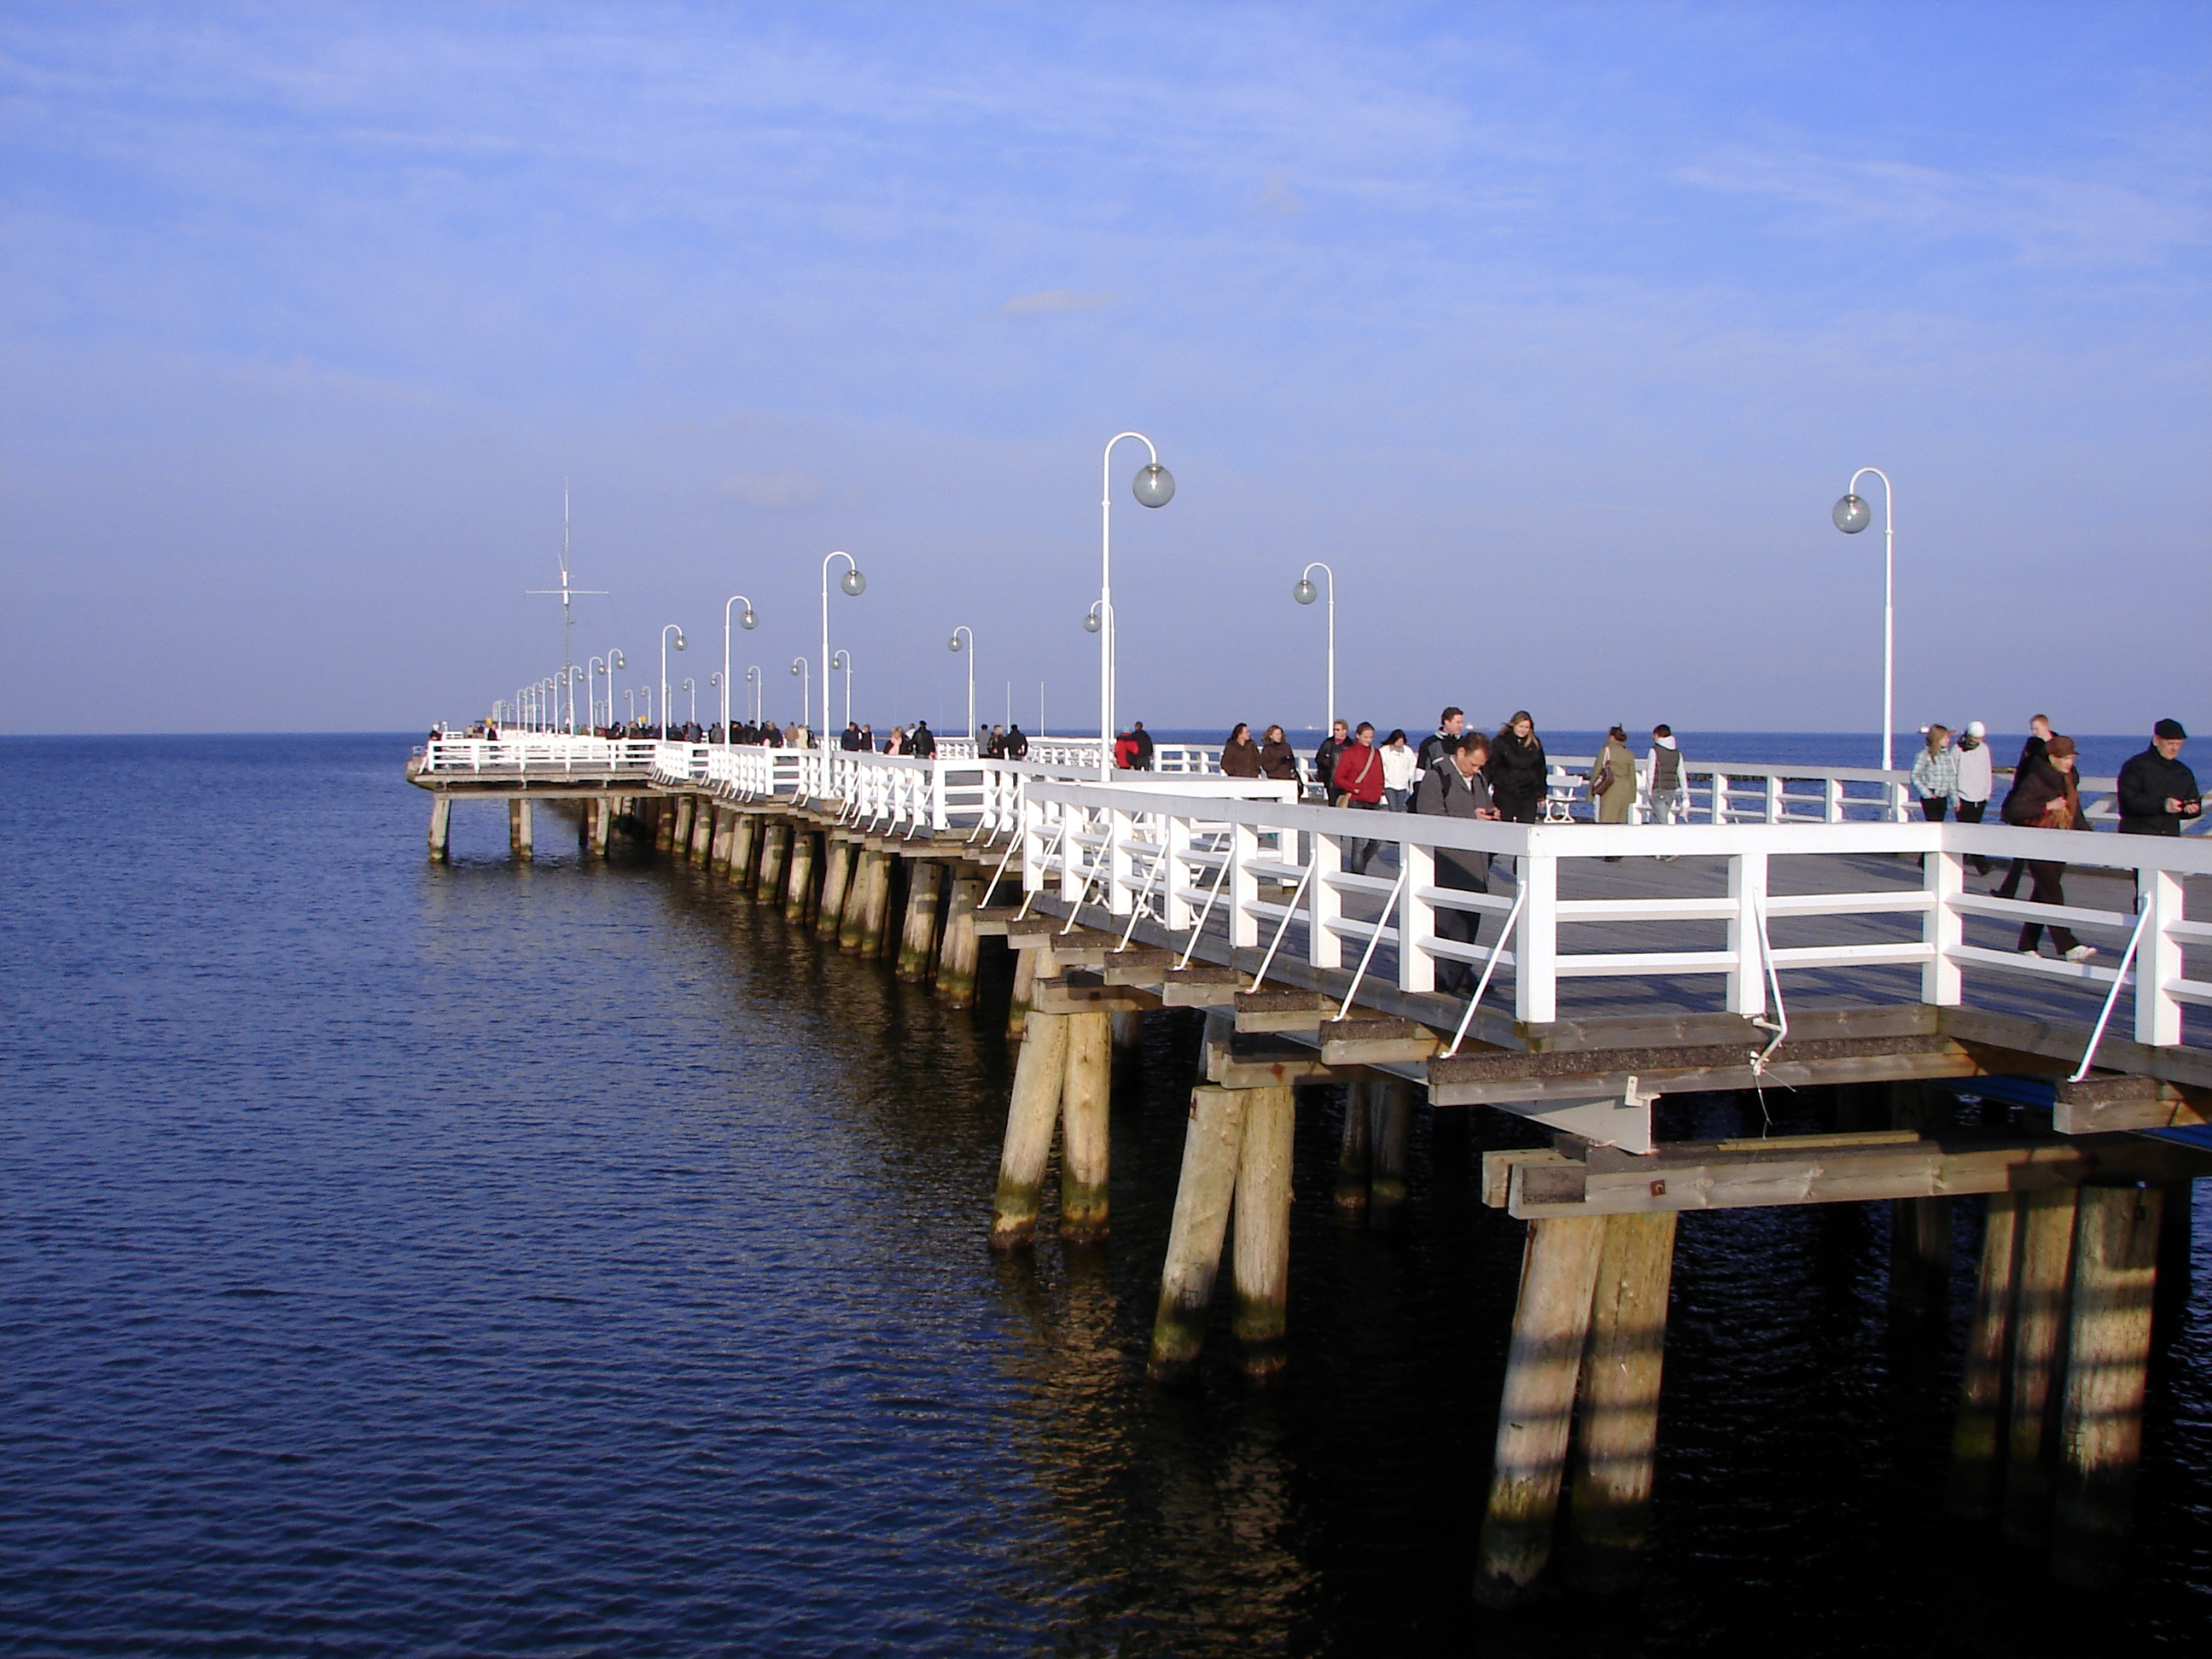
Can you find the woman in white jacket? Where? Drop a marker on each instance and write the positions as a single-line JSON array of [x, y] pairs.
[[1399, 763], [1975, 779]]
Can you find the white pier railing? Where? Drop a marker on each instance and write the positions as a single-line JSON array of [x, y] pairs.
[[1279, 873]]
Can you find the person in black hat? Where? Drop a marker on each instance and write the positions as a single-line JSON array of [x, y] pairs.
[[2157, 791]]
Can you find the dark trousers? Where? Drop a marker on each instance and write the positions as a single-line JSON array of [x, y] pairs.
[[1933, 808], [1358, 854], [1969, 811], [2049, 879], [1460, 928]]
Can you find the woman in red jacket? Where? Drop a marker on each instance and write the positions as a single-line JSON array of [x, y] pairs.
[[1358, 783]]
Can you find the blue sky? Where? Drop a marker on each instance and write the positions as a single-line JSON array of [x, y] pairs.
[[1555, 329]]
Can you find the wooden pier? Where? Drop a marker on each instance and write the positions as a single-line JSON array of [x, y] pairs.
[[1780, 943]]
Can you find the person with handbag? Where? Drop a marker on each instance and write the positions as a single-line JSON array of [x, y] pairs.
[[1358, 783], [1613, 779], [2046, 796]]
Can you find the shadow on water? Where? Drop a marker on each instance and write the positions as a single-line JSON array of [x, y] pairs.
[[578, 1257]]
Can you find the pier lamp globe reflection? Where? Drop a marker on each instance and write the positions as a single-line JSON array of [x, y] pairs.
[[1154, 485], [1853, 514]]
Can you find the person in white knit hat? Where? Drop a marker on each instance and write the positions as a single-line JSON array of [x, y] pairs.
[[1975, 779]]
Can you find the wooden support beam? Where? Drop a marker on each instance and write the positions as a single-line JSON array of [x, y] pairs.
[[1353, 1158], [1129, 1029], [836, 879], [1212, 1147], [1236, 1061], [702, 828], [775, 843], [2101, 1431], [1978, 1443], [1085, 1099], [442, 826], [1828, 1169], [517, 829], [2046, 1260], [2104, 1102], [918, 938], [1038, 1075], [1551, 1323], [1262, 1263], [1025, 992], [1390, 1109], [1620, 1434], [798, 878], [957, 956], [1084, 993], [1377, 1042], [1506, 1076], [745, 851], [1281, 1010]]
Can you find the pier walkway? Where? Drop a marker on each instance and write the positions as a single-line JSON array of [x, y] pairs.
[[1797, 929]]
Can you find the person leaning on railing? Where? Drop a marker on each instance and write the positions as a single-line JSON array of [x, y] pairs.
[[1454, 788], [2046, 796], [2156, 791]]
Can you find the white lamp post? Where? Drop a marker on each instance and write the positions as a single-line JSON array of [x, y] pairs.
[[953, 644], [840, 658], [798, 666], [629, 702], [614, 660], [747, 622], [1305, 594], [854, 584], [754, 679], [575, 674], [645, 696], [665, 633], [691, 690], [1153, 486], [549, 704], [1852, 516]]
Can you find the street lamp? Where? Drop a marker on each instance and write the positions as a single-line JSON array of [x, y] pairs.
[[854, 584], [665, 633], [691, 689], [645, 696], [629, 702], [748, 622], [1153, 486], [548, 705], [1852, 516], [953, 644], [1305, 594], [575, 673], [840, 659], [754, 679], [806, 691], [614, 660]]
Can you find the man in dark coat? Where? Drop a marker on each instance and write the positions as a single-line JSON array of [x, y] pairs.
[[2031, 752], [1451, 725], [1325, 756], [921, 741], [2157, 791], [1144, 746], [1016, 745], [1454, 788]]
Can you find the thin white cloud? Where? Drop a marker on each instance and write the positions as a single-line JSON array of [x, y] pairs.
[[1055, 299]]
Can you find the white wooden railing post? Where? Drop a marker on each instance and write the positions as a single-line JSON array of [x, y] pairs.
[[1174, 909], [1243, 887], [1121, 862], [1324, 904], [1417, 919], [1720, 798], [2158, 958], [1746, 981], [1944, 930], [1536, 941], [1778, 804], [1835, 803], [1074, 860], [1030, 826]]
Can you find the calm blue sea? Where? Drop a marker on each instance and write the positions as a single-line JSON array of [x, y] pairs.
[[569, 1259]]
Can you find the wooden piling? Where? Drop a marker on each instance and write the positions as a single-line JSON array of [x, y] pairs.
[[703, 828], [775, 843], [1212, 1147], [743, 847], [1038, 1075], [518, 827], [852, 924], [1262, 1263], [1978, 1445], [441, 825], [603, 824], [1390, 1108], [2046, 1255], [1128, 1031], [678, 837], [1353, 1164], [956, 962], [1612, 1494], [718, 849], [836, 878], [1084, 1096], [1018, 1007], [2101, 1432], [875, 904], [918, 939], [798, 878], [888, 927], [1550, 1321]]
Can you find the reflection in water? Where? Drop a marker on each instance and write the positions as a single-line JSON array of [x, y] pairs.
[[576, 1257]]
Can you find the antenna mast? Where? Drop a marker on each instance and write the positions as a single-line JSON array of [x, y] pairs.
[[567, 621]]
